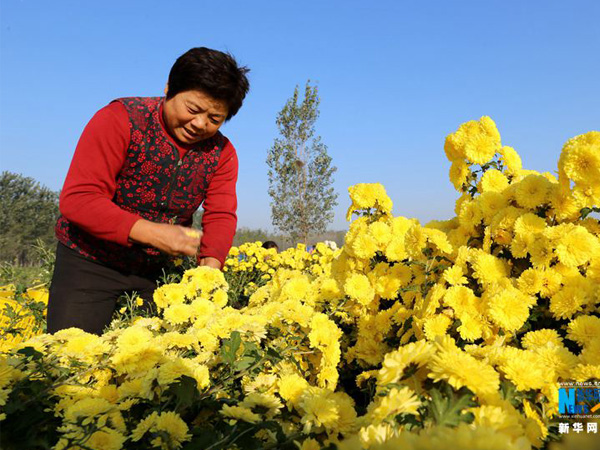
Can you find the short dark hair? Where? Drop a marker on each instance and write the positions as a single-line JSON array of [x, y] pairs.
[[212, 72], [270, 244]]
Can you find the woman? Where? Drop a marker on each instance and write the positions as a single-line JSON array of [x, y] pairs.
[[142, 167]]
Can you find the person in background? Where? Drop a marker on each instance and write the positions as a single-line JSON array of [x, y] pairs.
[[271, 244], [142, 167]]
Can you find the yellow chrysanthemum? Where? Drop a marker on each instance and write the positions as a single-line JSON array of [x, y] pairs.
[[397, 401], [583, 329], [178, 313], [592, 225], [564, 205], [459, 172], [436, 326], [493, 181], [461, 369], [240, 413], [587, 194], [106, 439], [519, 246], [480, 149], [530, 281], [580, 157], [454, 144], [415, 240], [508, 308], [454, 276], [471, 327], [173, 428], [171, 423], [291, 387], [528, 224], [526, 370], [591, 353], [488, 269], [551, 282], [576, 247], [320, 409], [476, 141], [461, 299], [297, 288], [369, 195], [539, 338], [396, 250], [541, 251], [439, 239], [511, 159], [470, 215], [585, 372], [566, 302], [359, 288], [381, 233], [535, 429], [492, 203], [394, 363], [532, 191]]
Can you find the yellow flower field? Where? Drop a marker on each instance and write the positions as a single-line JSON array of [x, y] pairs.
[[17, 316], [453, 334]]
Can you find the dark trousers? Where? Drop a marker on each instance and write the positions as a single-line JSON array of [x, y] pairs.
[[84, 293]]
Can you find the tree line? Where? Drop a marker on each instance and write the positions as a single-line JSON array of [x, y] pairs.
[[29, 213]]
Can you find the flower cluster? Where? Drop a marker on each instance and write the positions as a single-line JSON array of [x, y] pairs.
[[455, 333]]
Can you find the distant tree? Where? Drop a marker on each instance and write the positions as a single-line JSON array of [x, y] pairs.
[[29, 212], [300, 170]]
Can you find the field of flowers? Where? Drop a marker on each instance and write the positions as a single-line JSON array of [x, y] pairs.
[[454, 334]]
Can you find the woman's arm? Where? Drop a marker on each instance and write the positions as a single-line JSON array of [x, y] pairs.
[[219, 220], [86, 197]]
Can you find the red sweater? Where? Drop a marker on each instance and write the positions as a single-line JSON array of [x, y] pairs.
[[86, 197]]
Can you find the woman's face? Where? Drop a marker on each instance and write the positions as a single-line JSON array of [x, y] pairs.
[[193, 116]]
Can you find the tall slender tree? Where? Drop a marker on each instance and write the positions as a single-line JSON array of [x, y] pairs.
[[300, 170]]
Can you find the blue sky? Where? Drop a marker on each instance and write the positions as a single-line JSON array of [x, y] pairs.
[[395, 77]]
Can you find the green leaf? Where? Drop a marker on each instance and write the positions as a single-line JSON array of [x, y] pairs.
[[407, 324], [250, 348], [446, 406], [185, 391], [244, 363], [274, 355], [509, 392], [230, 347], [584, 213], [30, 352], [203, 438]]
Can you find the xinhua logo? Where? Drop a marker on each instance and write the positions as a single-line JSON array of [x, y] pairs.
[[578, 400]]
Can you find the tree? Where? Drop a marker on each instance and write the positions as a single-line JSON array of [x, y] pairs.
[[29, 212], [300, 170]]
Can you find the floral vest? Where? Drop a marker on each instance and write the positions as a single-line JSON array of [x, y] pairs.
[[153, 183]]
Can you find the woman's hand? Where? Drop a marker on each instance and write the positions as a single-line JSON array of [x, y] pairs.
[[171, 239], [209, 261]]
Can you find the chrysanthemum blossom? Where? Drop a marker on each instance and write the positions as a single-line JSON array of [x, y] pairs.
[[532, 191], [580, 158], [511, 159], [493, 181]]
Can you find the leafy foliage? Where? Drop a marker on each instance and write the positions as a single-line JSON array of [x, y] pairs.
[[300, 170], [29, 212]]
